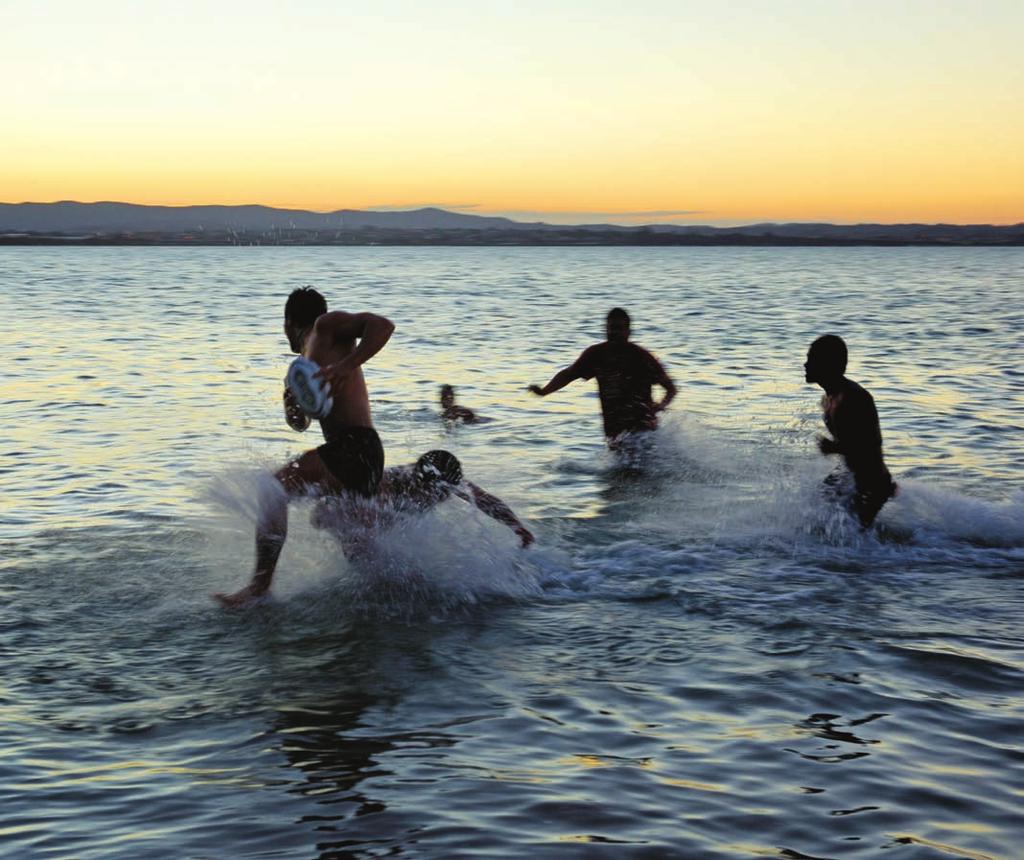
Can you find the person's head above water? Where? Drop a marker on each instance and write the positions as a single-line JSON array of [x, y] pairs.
[[447, 396], [302, 309], [616, 325], [440, 468], [826, 359]]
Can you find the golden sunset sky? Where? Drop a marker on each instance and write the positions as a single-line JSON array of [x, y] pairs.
[[688, 112]]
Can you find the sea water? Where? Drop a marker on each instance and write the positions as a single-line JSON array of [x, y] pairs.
[[698, 658]]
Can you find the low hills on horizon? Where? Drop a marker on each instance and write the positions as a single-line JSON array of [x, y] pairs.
[[111, 223]]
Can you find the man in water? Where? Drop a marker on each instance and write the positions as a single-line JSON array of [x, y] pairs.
[[852, 419], [451, 412], [352, 459], [416, 489], [625, 373]]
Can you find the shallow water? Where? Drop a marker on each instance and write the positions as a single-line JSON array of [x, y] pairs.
[[698, 661]]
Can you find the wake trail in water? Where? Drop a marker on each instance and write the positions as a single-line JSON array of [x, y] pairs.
[[772, 487], [710, 498], [695, 498], [939, 513]]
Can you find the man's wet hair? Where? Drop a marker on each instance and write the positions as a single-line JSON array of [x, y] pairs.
[[618, 314], [437, 466], [830, 351], [304, 306]]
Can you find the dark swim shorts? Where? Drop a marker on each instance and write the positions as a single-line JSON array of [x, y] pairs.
[[863, 500], [867, 502], [355, 457]]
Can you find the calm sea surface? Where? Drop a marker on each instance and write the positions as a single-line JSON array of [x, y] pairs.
[[699, 661]]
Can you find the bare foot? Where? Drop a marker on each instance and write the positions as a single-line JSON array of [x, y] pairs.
[[240, 599]]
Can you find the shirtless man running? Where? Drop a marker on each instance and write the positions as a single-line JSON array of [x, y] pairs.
[[625, 373], [352, 459], [851, 418]]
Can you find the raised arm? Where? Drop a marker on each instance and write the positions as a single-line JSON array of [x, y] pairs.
[[496, 509], [372, 332]]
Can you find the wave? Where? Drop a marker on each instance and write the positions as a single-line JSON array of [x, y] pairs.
[[735, 488]]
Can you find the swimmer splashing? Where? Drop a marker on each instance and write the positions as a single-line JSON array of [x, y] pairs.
[[415, 489], [351, 461], [452, 412]]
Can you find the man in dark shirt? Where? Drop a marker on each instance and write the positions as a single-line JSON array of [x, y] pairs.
[[850, 416], [625, 373]]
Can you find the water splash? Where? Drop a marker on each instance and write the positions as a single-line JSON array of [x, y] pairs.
[[422, 565]]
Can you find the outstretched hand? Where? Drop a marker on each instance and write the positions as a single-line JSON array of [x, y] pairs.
[[525, 535], [536, 389]]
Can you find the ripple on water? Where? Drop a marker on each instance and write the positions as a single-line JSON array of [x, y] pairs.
[[698, 659]]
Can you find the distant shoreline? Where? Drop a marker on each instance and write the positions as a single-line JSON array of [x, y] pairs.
[[490, 238], [110, 223]]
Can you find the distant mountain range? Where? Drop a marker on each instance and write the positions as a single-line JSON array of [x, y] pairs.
[[128, 223], [70, 217]]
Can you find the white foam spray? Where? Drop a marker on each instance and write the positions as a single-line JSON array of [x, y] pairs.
[[423, 565]]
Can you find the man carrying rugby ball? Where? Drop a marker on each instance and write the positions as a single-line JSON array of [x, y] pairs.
[[352, 458]]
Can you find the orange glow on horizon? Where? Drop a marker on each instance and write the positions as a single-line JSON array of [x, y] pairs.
[[804, 112]]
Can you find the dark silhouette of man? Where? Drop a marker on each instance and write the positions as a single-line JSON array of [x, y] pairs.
[[352, 459], [625, 373], [850, 416]]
